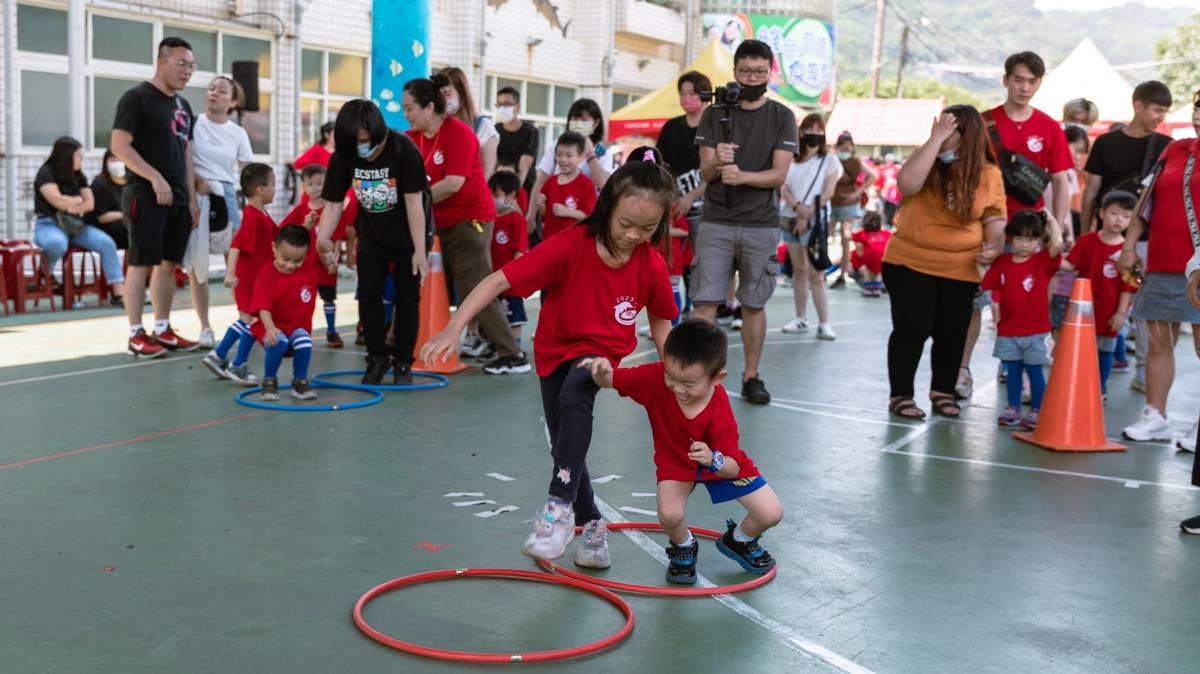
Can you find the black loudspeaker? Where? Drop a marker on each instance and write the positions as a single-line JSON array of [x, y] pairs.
[[245, 73]]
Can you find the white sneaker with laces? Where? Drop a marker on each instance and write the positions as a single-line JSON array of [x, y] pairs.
[[553, 529], [797, 326], [207, 339], [1150, 426], [735, 324], [825, 332], [593, 552], [1188, 442]]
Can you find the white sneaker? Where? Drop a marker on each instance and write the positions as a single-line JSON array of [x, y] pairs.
[[593, 553], [644, 331], [1138, 384], [825, 332], [207, 339], [1188, 442], [1150, 426], [553, 529], [735, 324], [786, 282], [797, 326]]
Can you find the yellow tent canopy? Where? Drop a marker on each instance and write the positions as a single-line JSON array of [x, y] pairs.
[[645, 116]]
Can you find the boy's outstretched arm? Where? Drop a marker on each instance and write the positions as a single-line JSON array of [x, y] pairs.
[[601, 369]]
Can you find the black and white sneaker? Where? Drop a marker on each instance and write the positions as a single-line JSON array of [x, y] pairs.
[[517, 364], [217, 365], [754, 391], [302, 390], [401, 373], [1191, 526], [270, 389], [682, 569], [748, 555]]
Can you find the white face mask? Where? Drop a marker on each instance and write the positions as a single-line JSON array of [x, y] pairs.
[[452, 105], [506, 113], [116, 169], [581, 126]]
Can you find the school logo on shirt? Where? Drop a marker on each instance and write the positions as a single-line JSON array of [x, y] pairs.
[[438, 157], [1110, 269], [625, 311], [502, 237], [571, 203], [306, 294], [1035, 143], [1027, 284]]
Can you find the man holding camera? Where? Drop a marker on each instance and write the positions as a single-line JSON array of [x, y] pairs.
[[746, 144]]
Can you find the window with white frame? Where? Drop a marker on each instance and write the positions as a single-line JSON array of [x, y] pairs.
[[327, 80], [542, 104]]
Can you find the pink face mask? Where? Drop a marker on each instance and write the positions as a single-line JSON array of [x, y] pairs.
[[690, 103]]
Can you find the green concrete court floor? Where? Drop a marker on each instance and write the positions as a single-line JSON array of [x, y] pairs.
[[238, 540]]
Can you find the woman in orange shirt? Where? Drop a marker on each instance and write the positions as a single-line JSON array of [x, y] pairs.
[[951, 221]]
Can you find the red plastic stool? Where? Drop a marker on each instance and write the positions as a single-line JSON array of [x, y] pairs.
[[3, 288], [75, 284], [29, 275]]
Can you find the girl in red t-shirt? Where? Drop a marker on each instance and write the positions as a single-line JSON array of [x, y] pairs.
[[597, 276]]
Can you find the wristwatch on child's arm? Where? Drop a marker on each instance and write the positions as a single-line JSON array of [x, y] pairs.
[[718, 462]]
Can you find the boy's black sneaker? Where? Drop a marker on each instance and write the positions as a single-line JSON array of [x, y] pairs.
[[749, 555], [377, 366], [754, 391], [682, 569], [1191, 526], [270, 389], [517, 364], [302, 390], [401, 373]]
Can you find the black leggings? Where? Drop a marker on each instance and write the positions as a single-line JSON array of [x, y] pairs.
[[925, 306], [568, 395], [372, 271]]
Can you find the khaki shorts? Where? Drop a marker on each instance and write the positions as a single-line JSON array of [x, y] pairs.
[[722, 250]]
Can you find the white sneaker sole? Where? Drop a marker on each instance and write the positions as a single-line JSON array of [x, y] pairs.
[[509, 370], [216, 369], [592, 564], [1148, 437], [537, 547]]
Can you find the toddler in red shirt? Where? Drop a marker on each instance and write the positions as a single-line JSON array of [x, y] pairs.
[[307, 215], [696, 442], [283, 300], [568, 196], [597, 278], [1022, 281], [249, 253], [510, 240], [867, 258], [1095, 258]]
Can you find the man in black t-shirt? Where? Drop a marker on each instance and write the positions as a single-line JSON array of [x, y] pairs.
[[1121, 159], [518, 139], [677, 144], [152, 134]]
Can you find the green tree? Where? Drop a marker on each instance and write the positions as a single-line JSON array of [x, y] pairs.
[[1183, 76], [914, 88]]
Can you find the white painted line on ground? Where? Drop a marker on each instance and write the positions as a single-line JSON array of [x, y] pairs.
[[464, 504], [605, 478], [501, 476], [643, 494], [461, 494], [639, 511], [786, 634], [498, 511], [76, 373]]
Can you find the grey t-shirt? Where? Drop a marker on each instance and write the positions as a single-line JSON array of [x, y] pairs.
[[758, 134]]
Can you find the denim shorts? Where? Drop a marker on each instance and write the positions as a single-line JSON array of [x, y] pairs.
[[1163, 297], [1030, 349], [721, 491], [983, 298], [850, 212], [514, 310], [786, 223], [1107, 345]]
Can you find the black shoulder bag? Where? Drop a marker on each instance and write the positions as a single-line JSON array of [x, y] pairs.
[[1024, 180], [818, 227]]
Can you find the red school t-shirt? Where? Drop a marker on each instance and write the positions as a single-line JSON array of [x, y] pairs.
[[1039, 138], [1170, 237], [589, 309], [291, 299], [509, 237], [1024, 289], [874, 244], [1097, 262], [579, 193], [681, 248], [312, 261], [253, 241], [454, 151], [673, 432]]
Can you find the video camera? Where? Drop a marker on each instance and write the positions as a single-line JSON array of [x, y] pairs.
[[724, 97]]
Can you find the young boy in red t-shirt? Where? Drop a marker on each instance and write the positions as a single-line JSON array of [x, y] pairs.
[[249, 253], [510, 240], [867, 258], [568, 196], [1022, 280], [283, 300], [696, 442], [1095, 258], [307, 216]]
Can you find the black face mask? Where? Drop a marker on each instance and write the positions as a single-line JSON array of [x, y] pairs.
[[813, 139], [753, 92]]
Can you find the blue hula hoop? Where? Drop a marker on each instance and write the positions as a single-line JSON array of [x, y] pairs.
[[241, 398], [437, 381]]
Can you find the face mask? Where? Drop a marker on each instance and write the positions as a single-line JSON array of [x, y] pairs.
[[501, 204], [581, 126], [844, 155], [753, 92], [690, 103], [452, 105], [365, 150], [506, 113], [813, 139], [116, 169], [948, 156]]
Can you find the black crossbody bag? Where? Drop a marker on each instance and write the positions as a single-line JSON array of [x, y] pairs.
[[1024, 180]]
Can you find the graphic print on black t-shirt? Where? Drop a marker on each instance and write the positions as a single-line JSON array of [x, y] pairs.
[[379, 185], [375, 189], [677, 143], [161, 126]]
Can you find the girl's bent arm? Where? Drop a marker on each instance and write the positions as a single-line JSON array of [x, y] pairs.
[[659, 328]]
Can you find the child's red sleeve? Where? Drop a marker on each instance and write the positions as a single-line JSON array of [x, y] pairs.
[[587, 196], [637, 383], [991, 280], [247, 235], [520, 234]]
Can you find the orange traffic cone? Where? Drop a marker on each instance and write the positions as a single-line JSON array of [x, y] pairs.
[[1072, 414], [435, 313]]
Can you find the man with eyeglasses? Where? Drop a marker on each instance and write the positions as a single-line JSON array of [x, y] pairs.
[[152, 134], [745, 151]]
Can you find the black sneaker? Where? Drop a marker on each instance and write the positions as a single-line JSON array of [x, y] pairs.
[[754, 391], [302, 390], [377, 366], [749, 555], [270, 388], [1191, 526], [517, 364], [401, 373], [839, 282], [360, 336], [682, 569]]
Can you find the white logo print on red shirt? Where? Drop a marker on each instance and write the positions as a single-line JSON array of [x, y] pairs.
[[306, 294], [625, 311], [1035, 143]]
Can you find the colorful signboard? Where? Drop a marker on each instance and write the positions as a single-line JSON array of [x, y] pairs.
[[803, 71]]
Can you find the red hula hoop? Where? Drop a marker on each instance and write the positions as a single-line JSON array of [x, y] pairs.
[[656, 589], [466, 656]]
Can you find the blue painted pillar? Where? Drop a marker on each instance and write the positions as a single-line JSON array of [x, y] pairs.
[[399, 52]]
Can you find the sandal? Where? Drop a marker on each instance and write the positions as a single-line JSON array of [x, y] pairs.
[[905, 408], [944, 405]]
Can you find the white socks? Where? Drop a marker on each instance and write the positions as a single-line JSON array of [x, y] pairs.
[[740, 536], [686, 544]]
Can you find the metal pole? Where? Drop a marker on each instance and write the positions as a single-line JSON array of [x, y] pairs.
[[76, 45], [877, 50], [689, 39], [10, 120], [903, 62]]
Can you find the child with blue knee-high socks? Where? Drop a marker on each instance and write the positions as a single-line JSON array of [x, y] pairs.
[[284, 299]]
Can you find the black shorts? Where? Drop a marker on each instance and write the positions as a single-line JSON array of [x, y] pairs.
[[328, 293], [156, 233]]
